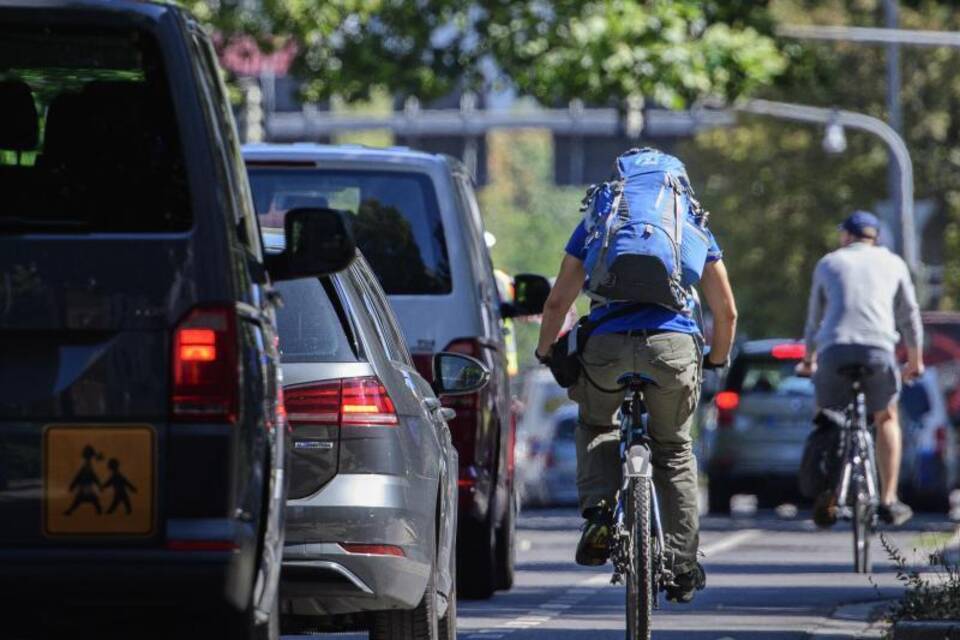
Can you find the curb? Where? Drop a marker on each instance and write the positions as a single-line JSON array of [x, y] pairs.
[[927, 630]]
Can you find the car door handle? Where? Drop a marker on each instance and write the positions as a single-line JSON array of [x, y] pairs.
[[431, 404]]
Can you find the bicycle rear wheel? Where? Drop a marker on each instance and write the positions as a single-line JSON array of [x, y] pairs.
[[640, 588], [862, 528]]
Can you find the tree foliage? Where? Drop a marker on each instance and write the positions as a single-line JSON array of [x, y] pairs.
[[666, 51], [670, 51]]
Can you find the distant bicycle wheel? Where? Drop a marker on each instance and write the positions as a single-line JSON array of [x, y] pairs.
[[862, 528], [640, 587]]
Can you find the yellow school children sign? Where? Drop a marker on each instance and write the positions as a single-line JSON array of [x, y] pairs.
[[98, 480]]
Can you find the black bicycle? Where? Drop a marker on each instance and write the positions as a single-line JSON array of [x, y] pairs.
[[857, 492], [637, 541]]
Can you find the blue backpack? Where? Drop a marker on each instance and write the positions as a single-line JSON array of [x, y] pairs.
[[646, 239]]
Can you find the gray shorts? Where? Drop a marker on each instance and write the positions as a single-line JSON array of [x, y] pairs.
[[881, 388]]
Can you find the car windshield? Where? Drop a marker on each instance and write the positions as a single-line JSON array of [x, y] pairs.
[[310, 328], [396, 219], [755, 376], [88, 138]]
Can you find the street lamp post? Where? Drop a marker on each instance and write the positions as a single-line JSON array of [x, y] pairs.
[[898, 151]]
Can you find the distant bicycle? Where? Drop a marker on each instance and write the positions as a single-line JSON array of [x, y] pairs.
[[856, 493], [637, 541], [858, 490]]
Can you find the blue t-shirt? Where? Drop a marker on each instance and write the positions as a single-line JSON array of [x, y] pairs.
[[651, 316]]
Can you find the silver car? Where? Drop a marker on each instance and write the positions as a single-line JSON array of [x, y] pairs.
[[371, 518], [548, 461], [758, 423], [416, 219]]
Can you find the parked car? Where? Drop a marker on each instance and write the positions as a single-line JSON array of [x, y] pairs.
[[548, 461], [142, 439], [417, 222], [756, 429], [930, 469], [371, 519]]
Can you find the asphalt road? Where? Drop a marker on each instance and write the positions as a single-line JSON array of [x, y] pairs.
[[767, 577]]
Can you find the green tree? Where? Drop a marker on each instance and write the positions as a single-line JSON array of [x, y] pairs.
[[671, 51], [777, 196]]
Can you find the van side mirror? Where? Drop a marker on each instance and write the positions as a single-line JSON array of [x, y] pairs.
[[530, 293], [455, 374], [317, 242]]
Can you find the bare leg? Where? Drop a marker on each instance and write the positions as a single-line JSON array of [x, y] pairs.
[[889, 445]]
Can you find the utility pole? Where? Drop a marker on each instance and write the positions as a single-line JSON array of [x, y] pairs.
[[891, 15]]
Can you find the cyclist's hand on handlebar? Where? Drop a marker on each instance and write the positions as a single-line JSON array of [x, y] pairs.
[[912, 371], [709, 364], [805, 369]]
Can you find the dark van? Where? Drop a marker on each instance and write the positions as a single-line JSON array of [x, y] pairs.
[[142, 431]]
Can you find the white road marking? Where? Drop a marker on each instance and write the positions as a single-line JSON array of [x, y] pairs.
[[729, 542], [587, 587]]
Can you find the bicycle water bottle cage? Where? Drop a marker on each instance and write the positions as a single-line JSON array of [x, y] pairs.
[[635, 381]]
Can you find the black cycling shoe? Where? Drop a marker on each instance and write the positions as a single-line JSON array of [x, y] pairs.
[[594, 546], [687, 584], [895, 513]]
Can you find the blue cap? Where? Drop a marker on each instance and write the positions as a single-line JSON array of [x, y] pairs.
[[862, 224]]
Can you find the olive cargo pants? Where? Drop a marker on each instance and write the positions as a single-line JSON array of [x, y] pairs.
[[672, 360]]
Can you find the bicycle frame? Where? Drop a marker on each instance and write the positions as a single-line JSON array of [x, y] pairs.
[[858, 453], [635, 458]]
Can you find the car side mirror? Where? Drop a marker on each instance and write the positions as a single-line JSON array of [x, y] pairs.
[[317, 242], [455, 374], [530, 293]]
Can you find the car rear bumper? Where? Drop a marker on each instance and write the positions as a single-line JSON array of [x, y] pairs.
[[323, 579], [202, 572], [320, 577]]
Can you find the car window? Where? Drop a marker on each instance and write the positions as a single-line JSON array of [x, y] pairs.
[[90, 141], [390, 336], [311, 327], [756, 376], [396, 218]]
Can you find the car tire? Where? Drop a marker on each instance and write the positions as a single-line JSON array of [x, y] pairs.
[[448, 623], [719, 495], [419, 623], [506, 546], [476, 559]]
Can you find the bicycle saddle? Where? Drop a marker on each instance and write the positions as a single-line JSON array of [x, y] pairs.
[[855, 371], [634, 380]]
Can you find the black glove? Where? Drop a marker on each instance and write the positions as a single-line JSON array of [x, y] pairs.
[[545, 359], [707, 364]]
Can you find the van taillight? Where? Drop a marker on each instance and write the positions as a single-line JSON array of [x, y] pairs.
[[205, 370], [358, 402]]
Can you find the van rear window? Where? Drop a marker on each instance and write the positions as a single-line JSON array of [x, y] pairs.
[[88, 136], [396, 219]]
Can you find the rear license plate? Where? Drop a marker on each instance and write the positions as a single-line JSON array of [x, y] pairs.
[[98, 480]]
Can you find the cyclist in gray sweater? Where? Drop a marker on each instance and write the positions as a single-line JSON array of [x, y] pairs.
[[862, 295]]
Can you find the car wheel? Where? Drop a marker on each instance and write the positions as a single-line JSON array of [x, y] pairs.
[[719, 495], [506, 545], [476, 560], [420, 623]]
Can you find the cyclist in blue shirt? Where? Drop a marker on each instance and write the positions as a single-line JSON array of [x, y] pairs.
[[666, 346]]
